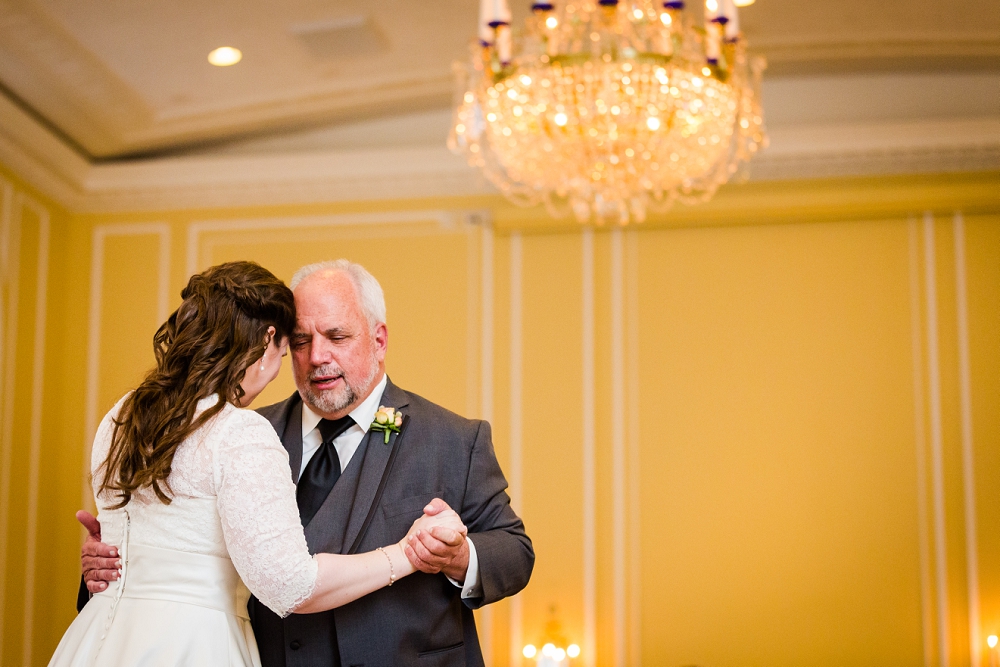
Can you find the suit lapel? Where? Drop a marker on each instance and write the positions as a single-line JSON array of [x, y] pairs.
[[376, 458], [292, 440]]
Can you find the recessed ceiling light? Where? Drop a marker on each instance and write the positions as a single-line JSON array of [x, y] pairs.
[[743, 3], [225, 56]]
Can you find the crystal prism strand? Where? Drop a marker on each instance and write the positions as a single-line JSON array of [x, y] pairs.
[[534, 44], [649, 30]]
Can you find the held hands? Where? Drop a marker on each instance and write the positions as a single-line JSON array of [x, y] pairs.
[[436, 542], [100, 561]]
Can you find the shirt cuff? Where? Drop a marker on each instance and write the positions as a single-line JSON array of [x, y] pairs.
[[471, 587]]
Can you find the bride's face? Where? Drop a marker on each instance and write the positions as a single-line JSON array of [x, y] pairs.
[[265, 369]]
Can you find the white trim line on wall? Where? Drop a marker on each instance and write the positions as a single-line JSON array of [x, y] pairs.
[[634, 453], [920, 441], [516, 420], [589, 456], [937, 438], [618, 435], [968, 453], [11, 235], [446, 219], [35, 429], [98, 237], [486, 387]]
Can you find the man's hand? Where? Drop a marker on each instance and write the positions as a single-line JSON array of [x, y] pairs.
[[100, 561], [441, 548]]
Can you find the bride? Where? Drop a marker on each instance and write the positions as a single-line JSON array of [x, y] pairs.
[[194, 491]]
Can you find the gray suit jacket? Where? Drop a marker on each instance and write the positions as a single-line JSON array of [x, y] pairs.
[[421, 620]]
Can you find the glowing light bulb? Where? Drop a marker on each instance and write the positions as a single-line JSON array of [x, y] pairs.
[[548, 650], [224, 56], [560, 119], [573, 651], [559, 655], [743, 3], [530, 651], [665, 19], [713, 5], [653, 123], [638, 14], [991, 641], [552, 21]]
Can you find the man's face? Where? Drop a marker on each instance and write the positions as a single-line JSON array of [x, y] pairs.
[[336, 358]]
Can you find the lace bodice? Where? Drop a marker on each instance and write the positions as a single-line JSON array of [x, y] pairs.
[[232, 497]]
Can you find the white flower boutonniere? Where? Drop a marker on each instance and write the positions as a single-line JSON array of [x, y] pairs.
[[388, 421]]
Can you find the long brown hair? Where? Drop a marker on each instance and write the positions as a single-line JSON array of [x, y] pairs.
[[203, 349]]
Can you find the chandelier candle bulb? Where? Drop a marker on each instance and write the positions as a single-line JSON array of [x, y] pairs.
[[711, 11], [494, 13], [733, 26]]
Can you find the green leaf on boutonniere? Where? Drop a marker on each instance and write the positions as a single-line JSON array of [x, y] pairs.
[[388, 421]]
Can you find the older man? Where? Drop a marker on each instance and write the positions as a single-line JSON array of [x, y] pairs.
[[356, 491]]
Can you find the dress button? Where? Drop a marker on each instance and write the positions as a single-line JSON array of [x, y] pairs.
[[295, 645]]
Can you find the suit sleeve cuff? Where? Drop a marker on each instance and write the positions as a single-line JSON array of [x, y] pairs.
[[472, 586]]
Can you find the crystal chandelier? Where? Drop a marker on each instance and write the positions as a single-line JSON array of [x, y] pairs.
[[609, 108]]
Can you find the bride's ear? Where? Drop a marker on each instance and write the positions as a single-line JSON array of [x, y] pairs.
[[269, 336]]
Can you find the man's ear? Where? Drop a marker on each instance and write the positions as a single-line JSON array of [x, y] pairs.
[[381, 340]]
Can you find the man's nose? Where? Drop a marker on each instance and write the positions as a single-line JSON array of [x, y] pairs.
[[320, 352]]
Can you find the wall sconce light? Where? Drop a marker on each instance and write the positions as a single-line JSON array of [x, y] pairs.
[[555, 652], [551, 655], [991, 641]]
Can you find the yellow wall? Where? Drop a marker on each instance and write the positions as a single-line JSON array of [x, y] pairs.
[[732, 444]]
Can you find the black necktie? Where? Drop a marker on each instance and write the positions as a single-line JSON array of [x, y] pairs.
[[322, 471]]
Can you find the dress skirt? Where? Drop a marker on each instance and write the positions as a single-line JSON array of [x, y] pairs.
[[169, 608]]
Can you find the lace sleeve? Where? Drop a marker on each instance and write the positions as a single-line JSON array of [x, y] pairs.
[[260, 520]]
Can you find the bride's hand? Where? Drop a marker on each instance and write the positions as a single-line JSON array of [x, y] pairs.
[[437, 542], [438, 518]]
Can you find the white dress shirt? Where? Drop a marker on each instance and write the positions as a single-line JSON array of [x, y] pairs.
[[347, 443]]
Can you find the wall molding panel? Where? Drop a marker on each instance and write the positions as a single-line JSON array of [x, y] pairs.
[[15, 204], [589, 505], [99, 236], [936, 438], [619, 436], [926, 594], [953, 632], [968, 457], [10, 239], [516, 472], [35, 433], [633, 447]]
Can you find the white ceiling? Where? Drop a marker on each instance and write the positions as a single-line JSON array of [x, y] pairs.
[[124, 77]]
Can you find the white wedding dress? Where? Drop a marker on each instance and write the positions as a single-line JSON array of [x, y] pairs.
[[233, 524]]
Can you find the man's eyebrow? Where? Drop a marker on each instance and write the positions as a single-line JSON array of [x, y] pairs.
[[337, 331]]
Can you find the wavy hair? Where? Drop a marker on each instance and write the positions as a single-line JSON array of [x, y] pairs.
[[203, 349]]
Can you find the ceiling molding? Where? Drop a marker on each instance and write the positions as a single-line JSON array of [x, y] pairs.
[[52, 71], [331, 175]]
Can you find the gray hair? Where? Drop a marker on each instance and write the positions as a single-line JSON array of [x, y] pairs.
[[367, 288]]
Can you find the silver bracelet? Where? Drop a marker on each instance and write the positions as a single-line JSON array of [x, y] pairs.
[[392, 571]]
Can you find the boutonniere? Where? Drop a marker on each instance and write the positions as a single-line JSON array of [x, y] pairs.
[[388, 421]]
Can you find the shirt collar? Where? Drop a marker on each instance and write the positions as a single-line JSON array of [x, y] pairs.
[[363, 415]]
